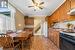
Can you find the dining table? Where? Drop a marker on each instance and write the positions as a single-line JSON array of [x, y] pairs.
[[21, 36], [15, 37]]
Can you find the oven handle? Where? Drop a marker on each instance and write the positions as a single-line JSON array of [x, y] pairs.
[[68, 39]]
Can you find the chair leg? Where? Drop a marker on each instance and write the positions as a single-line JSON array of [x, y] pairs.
[[22, 45]]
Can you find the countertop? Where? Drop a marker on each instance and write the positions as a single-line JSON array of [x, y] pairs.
[[68, 33]]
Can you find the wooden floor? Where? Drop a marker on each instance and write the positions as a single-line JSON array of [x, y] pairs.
[[41, 43], [38, 43]]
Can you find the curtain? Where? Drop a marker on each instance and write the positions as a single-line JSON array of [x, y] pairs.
[[2, 23], [8, 22], [13, 11]]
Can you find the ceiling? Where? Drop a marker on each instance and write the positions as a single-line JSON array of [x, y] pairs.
[[49, 7]]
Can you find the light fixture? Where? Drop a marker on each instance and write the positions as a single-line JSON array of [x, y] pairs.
[[19, 25], [4, 3], [37, 5]]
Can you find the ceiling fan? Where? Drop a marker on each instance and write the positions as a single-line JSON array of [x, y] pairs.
[[38, 5]]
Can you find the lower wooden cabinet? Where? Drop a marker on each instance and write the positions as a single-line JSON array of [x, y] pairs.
[[53, 35]]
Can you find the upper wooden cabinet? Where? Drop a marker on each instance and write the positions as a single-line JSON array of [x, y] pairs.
[[73, 4], [63, 11], [29, 21], [29, 24], [60, 15]]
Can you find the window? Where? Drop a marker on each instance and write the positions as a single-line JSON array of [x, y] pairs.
[[4, 3], [7, 22]]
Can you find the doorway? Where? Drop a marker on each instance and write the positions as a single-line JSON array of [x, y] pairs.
[[40, 26]]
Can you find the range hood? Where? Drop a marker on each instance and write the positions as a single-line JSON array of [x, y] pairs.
[[71, 12]]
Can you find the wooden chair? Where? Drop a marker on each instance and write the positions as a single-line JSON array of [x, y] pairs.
[[8, 42], [4, 40], [16, 41], [25, 38]]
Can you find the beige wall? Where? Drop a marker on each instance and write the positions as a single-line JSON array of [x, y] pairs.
[[20, 22]]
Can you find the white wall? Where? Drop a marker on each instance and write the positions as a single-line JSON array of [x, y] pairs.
[[45, 29]]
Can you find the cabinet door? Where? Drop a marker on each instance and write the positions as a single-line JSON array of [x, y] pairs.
[[72, 3], [54, 36], [29, 21]]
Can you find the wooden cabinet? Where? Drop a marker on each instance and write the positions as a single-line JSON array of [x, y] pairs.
[[29, 21], [53, 35], [72, 3], [61, 13], [29, 24]]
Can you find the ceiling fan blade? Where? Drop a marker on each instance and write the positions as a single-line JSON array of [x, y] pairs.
[[33, 1], [30, 6], [40, 7], [41, 3]]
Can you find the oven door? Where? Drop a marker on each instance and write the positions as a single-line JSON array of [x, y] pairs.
[[66, 42]]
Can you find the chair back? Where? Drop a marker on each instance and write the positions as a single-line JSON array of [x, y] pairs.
[[5, 40]]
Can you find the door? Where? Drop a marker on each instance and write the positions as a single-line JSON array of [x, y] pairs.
[[45, 29]]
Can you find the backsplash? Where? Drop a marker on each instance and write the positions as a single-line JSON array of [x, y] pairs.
[[64, 25]]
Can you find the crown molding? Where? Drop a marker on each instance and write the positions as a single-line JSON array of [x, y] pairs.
[[58, 7], [16, 7]]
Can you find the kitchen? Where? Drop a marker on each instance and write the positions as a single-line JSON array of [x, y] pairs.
[[57, 27], [62, 24]]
